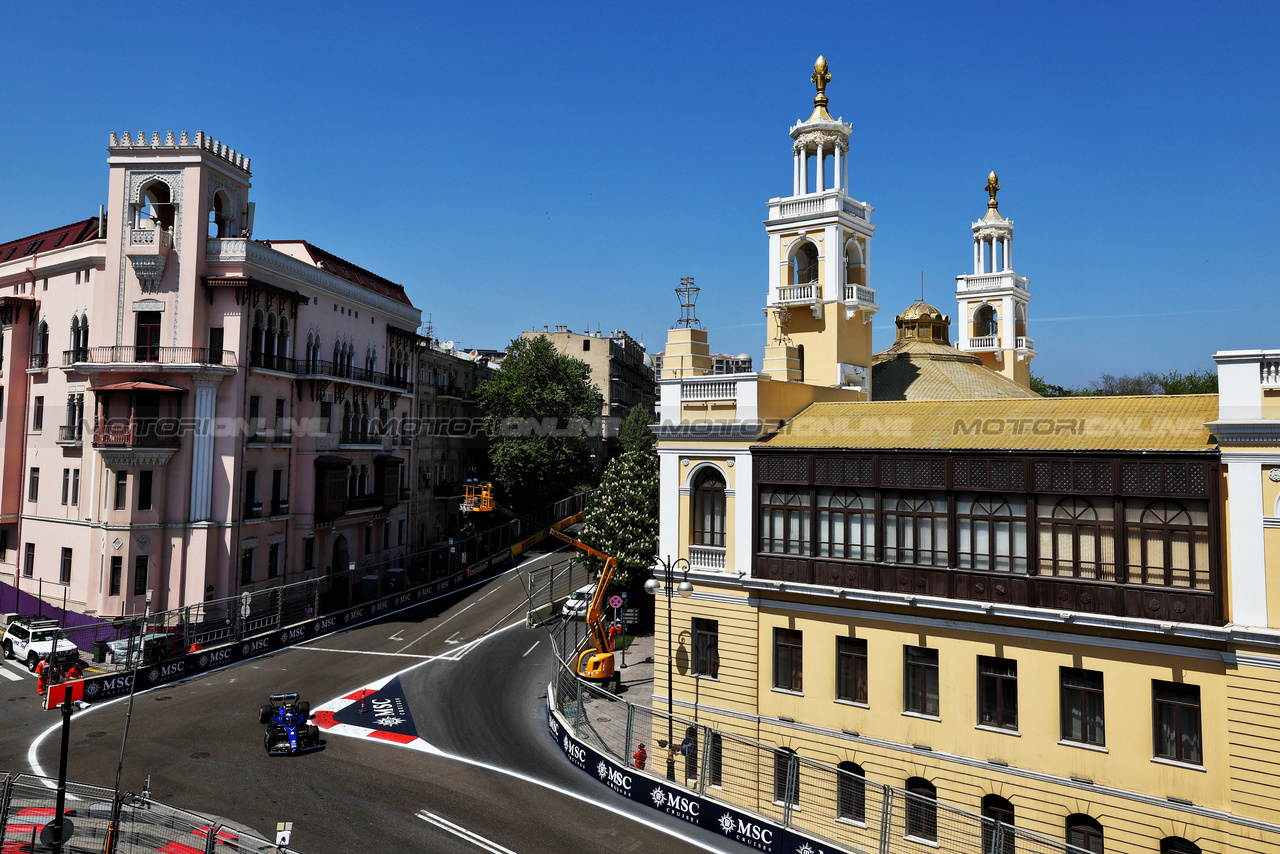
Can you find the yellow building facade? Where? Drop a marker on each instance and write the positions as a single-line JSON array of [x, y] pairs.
[[1063, 614]]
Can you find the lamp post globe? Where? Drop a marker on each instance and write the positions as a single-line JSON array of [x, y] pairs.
[[653, 586]]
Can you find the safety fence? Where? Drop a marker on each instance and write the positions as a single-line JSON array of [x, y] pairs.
[[120, 642], [786, 801], [27, 805], [551, 589]]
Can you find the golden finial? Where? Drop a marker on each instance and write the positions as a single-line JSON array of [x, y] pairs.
[[820, 77], [993, 187]]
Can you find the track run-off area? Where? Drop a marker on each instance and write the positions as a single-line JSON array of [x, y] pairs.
[[451, 754]]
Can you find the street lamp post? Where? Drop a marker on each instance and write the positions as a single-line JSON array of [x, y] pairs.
[[684, 589]]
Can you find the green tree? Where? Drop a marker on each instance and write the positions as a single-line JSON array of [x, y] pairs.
[[634, 434], [622, 517], [539, 409]]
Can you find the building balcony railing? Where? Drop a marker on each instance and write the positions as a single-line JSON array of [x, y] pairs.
[[859, 293], [991, 281], [162, 433], [1270, 369], [364, 502], [985, 342], [710, 390], [707, 557], [443, 390], [126, 354], [1025, 343], [323, 368], [279, 508], [252, 509], [799, 294], [828, 201], [70, 434], [39, 361]]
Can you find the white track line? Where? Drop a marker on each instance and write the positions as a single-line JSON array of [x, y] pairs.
[[365, 652], [433, 628], [531, 649], [462, 833]]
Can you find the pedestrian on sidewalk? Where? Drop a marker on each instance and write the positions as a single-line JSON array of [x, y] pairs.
[[640, 757]]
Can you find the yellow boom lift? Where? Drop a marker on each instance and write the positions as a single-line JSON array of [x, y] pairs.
[[594, 664]]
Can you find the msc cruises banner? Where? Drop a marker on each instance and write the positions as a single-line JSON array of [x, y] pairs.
[[105, 687], [731, 823]]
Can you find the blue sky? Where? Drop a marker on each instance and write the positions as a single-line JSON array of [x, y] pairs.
[[516, 165]]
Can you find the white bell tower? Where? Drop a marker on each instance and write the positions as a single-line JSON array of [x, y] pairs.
[[819, 304], [993, 299]]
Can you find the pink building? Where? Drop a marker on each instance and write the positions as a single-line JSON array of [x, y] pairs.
[[189, 410]]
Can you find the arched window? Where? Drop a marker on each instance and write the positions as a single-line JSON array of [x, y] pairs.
[[220, 216], [255, 334], [269, 342], [915, 529], [708, 508], [1019, 319], [786, 776], [985, 322], [851, 792], [1169, 544], [993, 533], [154, 207], [1085, 833], [1178, 845], [846, 523], [346, 421], [804, 264], [282, 341], [853, 263], [997, 810], [784, 520], [1077, 539], [922, 809], [84, 338], [800, 360], [42, 338]]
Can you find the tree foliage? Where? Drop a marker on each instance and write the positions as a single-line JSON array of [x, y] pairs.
[[539, 408], [634, 434], [1170, 382], [622, 518]]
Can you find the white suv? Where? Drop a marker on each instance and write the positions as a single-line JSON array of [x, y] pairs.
[[575, 607], [30, 639]]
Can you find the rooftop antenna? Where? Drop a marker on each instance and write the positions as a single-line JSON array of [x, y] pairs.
[[688, 293], [922, 286]]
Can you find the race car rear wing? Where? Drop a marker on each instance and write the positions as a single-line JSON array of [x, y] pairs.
[[291, 697]]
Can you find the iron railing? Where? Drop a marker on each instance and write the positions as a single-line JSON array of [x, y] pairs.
[[123, 354], [162, 433]]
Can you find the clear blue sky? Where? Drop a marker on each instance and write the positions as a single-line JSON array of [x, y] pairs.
[[522, 164]]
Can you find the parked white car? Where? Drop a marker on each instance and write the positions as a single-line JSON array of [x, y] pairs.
[[30, 639], [575, 607]]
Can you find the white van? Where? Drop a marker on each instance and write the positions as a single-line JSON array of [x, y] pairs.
[[575, 607]]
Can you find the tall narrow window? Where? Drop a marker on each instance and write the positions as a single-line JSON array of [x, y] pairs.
[[708, 508], [255, 416], [140, 575], [37, 414], [251, 494], [784, 521], [915, 529], [992, 533], [122, 490], [66, 485], [246, 566], [851, 792], [786, 776], [1169, 544], [277, 491], [33, 485], [215, 345], [1085, 832], [117, 570], [1082, 708], [997, 811], [29, 560], [922, 809], [308, 554], [75, 487], [846, 524], [1177, 722], [706, 647], [1077, 539], [920, 682], [147, 337], [273, 560], [278, 427], [64, 573], [145, 479], [788, 663], [851, 669], [998, 692]]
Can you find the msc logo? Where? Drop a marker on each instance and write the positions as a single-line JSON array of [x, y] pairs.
[[222, 656], [172, 671], [260, 645], [379, 607], [293, 635], [676, 804], [404, 599], [746, 831], [119, 683], [575, 753], [327, 624], [613, 777], [356, 614]]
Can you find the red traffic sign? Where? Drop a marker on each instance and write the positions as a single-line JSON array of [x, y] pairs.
[[615, 601]]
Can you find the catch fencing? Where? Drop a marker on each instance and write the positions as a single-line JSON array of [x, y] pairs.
[[549, 589], [27, 804], [119, 642], [813, 800]]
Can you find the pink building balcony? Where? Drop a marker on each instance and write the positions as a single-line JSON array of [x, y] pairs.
[[161, 433]]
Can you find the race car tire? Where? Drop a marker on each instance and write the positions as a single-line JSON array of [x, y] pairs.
[[304, 708], [313, 732], [8, 649], [264, 714], [266, 740]]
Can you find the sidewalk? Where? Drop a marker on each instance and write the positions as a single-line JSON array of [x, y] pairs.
[[637, 675]]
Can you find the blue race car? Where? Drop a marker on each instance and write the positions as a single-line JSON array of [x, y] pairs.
[[289, 730]]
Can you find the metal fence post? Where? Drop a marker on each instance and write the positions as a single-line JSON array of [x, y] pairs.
[[886, 819], [279, 591], [211, 843], [4, 807], [316, 608], [704, 765], [631, 720], [792, 789], [577, 718], [997, 838]]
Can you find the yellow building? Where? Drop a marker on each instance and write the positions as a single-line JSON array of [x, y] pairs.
[[1063, 614]]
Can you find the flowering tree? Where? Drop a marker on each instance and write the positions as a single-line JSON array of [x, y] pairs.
[[622, 518]]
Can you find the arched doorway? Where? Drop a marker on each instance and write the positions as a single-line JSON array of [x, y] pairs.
[[341, 555]]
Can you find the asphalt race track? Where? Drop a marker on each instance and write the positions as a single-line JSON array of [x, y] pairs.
[[476, 686]]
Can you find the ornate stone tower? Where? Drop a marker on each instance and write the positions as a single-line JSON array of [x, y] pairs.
[[819, 303], [993, 299]]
